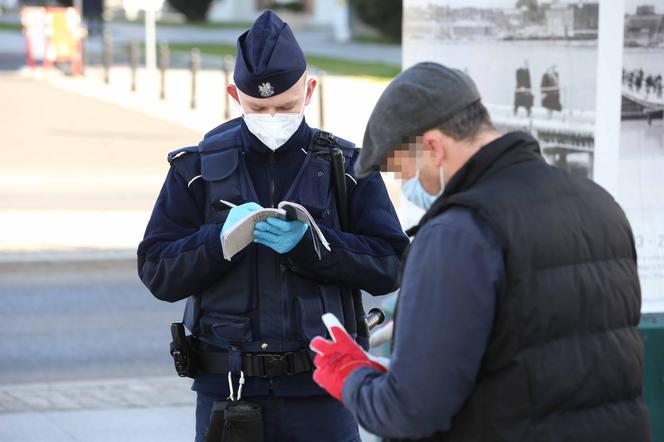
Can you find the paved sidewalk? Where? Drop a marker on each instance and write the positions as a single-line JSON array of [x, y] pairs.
[[166, 391], [77, 172], [157, 424], [127, 410]]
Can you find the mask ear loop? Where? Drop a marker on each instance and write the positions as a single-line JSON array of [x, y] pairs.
[[441, 177], [306, 90]]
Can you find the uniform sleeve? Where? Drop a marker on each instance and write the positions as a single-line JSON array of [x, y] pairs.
[[180, 255], [369, 256], [445, 316]]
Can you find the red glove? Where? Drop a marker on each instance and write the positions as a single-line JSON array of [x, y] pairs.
[[336, 359]]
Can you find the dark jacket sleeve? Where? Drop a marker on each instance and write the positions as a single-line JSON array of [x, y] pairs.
[[444, 319], [180, 255], [369, 256]]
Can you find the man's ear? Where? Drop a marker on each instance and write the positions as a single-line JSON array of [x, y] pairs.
[[232, 91], [433, 140], [311, 85]]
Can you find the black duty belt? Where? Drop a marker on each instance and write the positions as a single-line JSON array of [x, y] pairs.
[[260, 365]]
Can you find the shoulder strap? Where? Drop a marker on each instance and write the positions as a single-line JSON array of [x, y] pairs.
[[325, 141]]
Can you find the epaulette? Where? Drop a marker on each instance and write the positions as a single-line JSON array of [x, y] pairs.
[[181, 152], [186, 163]]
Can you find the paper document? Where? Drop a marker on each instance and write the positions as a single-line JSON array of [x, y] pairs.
[[242, 233]]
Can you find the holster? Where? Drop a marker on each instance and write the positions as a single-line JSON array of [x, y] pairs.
[[182, 351], [240, 421]]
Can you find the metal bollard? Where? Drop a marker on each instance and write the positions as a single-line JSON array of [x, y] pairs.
[[195, 65], [321, 103], [134, 54], [229, 64], [164, 62], [107, 55]]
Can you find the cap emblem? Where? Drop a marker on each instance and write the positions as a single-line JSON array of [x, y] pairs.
[[266, 89]]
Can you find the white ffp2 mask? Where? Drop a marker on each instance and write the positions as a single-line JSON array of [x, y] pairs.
[[274, 130]]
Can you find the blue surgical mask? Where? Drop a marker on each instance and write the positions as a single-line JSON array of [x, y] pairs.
[[415, 193]]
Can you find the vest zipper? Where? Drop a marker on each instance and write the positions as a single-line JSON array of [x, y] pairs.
[[271, 164]]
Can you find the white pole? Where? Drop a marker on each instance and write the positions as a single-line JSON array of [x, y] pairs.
[[608, 93], [150, 41], [341, 25]]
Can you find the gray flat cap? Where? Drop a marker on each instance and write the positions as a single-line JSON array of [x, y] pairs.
[[418, 99]]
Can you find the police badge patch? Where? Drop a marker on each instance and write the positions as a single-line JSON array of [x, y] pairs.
[[266, 89]]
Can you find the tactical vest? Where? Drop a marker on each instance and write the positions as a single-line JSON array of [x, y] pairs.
[[263, 304], [564, 361]]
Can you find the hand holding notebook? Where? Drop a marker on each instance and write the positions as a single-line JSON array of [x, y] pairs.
[[240, 234]]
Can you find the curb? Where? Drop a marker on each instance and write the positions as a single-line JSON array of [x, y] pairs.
[[67, 256]]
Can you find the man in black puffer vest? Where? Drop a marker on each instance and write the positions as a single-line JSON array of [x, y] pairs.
[[520, 298]]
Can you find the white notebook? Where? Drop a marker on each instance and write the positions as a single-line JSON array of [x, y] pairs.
[[242, 233]]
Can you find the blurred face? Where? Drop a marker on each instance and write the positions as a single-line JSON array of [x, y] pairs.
[[413, 157], [405, 160], [290, 102]]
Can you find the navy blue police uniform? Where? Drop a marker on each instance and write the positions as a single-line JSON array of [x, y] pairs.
[[257, 312]]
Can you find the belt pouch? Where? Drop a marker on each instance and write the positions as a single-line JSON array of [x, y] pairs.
[[243, 422], [240, 421]]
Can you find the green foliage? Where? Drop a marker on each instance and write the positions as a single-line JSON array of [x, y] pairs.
[[282, 6], [7, 26], [384, 15], [195, 11]]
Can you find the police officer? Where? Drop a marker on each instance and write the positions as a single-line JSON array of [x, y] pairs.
[[254, 315], [520, 297]]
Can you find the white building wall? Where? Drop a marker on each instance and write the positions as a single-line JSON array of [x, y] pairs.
[[334, 14]]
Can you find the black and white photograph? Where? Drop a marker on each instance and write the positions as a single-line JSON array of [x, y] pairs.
[[534, 63], [641, 152]]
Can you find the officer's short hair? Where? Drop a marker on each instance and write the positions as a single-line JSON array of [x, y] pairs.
[[467, 123]]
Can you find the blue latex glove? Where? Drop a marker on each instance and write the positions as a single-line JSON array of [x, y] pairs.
[[237, 213], [279, 235]]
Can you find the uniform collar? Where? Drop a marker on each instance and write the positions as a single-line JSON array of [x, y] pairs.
[[254, 146]]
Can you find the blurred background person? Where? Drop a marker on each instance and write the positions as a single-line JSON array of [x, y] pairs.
[[523, 96], [550, 87]]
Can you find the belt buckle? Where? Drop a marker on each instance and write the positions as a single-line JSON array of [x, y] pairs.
[[276, 365]]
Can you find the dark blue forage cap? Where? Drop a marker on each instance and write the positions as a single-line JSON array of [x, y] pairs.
[[269, 59]]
